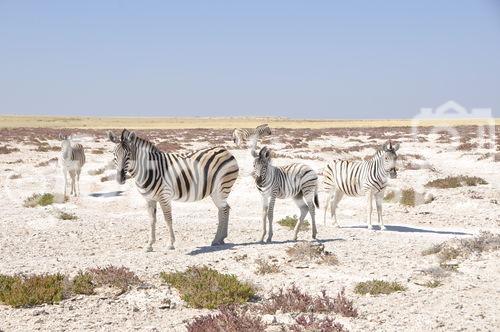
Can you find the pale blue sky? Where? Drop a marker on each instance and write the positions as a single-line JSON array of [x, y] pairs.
[[299, 59]]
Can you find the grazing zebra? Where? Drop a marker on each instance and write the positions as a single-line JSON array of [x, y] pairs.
[[357, 178], [72, 160], [163, 177], [240, 136], [295, 180]]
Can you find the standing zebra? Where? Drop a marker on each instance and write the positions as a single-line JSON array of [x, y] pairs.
[[240, 136], [357, 178], [72, 161], [162, 177], [295, 180]]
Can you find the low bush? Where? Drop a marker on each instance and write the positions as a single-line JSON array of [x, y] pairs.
[[290, 222], [203, 287], [119, 277], [66, 216], [39, 199], [83, 283], [5, 149], [20, 291], [293, 300], [456, 181], [376, 287], [311, 323], [306, 251], [228, 319]]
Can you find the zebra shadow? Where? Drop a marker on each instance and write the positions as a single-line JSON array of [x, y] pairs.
[[107, 194], [228, 246], [406, 229]]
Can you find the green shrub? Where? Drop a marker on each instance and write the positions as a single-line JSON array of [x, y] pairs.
[[290, 222], [39, 199], [83, 284], [203, 287], [376, 287], [18, 291], [408, 197], [119, 277], [456, 181], [67, 216]]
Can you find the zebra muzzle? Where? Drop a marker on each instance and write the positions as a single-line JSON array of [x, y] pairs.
[[393, 173], [121, 177]]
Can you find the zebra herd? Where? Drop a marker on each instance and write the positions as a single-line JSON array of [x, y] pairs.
[[163, 177]]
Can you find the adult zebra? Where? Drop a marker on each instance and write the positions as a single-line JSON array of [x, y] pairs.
[[240, 136], [298, 181], [162, 177], [356, 178], [72, 161]]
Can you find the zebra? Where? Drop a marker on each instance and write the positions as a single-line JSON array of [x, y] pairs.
[[240, 136], [298, 181], [163, 177], [72, 160], [357, 178]]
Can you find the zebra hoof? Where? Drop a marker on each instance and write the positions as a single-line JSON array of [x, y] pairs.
[[269, 240], [217, 243], [149, 249], [171, 247], [370, 227], [382, 228]]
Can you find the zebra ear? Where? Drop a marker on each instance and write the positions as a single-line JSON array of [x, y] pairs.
[[265, 153], [61, 137], [395, 147], [131, 136], [113, 138], [385, 146]]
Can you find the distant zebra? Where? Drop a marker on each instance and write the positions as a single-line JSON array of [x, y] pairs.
[[240, 136], [163, 177], [357, 178], [72, 161], [295, 180]]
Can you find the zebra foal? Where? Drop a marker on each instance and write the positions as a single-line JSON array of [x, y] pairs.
[[357, 178], [297, 181], [163, 177], [72, 160], [240, 136]]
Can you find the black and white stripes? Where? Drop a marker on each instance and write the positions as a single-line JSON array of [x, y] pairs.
[[297, 181], [162, 177], [240, 136], [357, 178], [72, 161]]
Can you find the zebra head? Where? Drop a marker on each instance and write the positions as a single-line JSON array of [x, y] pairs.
[[122, 153], [261, 162], [390, 158], [65, 144], [264, 130]]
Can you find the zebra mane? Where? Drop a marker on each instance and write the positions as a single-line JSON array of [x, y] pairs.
[[146, 143]]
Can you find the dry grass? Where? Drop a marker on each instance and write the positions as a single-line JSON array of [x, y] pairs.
[[228, 319], [467, 146], [377, 287], [118, 277], [290, 222], [311, 323], [203, 287], [83, 283], [293, 300], [66, 216], [312, 252], [456, 181], [5, 149], [266, 267]]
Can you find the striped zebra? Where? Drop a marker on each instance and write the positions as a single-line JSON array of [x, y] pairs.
[[164, 177], [357, 178], [297, 181], [240, 136], [72, 161]]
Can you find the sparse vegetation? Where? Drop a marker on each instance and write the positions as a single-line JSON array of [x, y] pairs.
[[230, 319], [14, 176], [66, 216], [118, 277], [306, 251], [266, 267], [19, 291], [203, 287], [107, 177], [408, 197], [433, 283], [377, 287], [293, 300], [83, 283], [311, 323], [455, 248], [456, 181], [97, 151], [97, 171], [290, 222], [5, 149], [39, 199]]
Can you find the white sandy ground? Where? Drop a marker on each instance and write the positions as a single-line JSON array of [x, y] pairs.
[[114, 230]]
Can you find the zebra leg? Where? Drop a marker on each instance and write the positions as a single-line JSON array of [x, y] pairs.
[[270, 219], [152, 220], [312, 213], [167, 213], [65, 182], [72, 175], [223, 220], [78, 180], [303, 212], [265, 208], [369, 209], [334, 203], [327, 202], [378, 200]]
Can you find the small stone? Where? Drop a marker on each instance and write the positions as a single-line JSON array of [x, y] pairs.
[[135, 309]]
